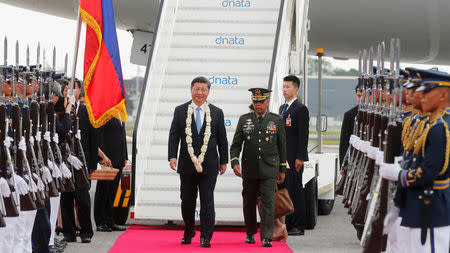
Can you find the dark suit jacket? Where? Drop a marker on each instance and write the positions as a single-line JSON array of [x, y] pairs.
[[217, 141], [112, 141], [89, 138], [346, 131], [297, 133]]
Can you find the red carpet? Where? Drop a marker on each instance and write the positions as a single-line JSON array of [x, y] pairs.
[[167, 239]]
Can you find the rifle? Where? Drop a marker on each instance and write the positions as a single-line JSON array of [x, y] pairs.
[[359, 161], [375, 241], [6, 166], [81, 175], [348, 159], [67, 182], [27, 201], [361, 206], [46, 148]]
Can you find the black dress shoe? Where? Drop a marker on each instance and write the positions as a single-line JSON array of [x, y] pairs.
[[104, 228], [266, 243], [187, 237], [69, 239], [58, 230], [296, 231], [250, 239], [117, 228], [205, 243], [85, 239]]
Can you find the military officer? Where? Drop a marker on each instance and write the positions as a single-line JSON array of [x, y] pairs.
[[263, 163], [425, 178]]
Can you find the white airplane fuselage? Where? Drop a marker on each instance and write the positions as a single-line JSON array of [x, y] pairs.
[[341, 27]]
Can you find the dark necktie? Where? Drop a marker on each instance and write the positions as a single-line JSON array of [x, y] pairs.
[[260, 119], [283, 111]]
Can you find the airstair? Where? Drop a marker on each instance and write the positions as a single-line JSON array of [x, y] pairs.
[[237, 45]]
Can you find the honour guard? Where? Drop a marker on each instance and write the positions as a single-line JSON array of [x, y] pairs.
[[424, 177], [263, 163]]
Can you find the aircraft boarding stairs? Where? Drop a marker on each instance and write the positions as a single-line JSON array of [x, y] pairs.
[[232, 43]]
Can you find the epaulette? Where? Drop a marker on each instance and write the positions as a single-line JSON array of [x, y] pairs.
[[435, 119]]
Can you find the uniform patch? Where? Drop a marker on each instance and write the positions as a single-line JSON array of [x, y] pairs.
[[271, 126]]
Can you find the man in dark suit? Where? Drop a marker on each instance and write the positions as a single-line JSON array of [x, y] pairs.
[[112, 141], [81, 196], [196, 124], [296, 118], [347, 127]]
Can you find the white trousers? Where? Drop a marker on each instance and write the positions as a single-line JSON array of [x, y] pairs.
[[54, 207], [23, 229], [7, 234], [393, 244], [438, 240]]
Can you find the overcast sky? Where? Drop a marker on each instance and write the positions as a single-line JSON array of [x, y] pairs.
[[31, 27]]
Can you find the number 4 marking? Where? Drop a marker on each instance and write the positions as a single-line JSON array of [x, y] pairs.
[[144, 48]]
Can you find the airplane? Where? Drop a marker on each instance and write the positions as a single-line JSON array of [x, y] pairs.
[[341, 27]]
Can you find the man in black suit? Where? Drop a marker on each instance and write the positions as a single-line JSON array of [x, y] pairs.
[[296, 117], [203, 123], [347, 127], [112, 141], [81, 196]]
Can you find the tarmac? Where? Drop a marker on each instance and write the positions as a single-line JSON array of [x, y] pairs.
[[333, 233]]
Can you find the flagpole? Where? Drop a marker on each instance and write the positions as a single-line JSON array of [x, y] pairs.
[[75, 56]]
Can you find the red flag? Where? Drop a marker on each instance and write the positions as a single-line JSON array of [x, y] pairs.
[[103, 81]]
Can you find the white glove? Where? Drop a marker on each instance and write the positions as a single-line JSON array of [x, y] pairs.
[[65, 171], [390, 218], [7, 141], [372, 152], [56, 138], [31, 140], [38, 136], [21, 186], [6, 192], [46, 176], [76, 163], [390, 171], [78, 134], [352, 139], [40, 185], [33, 187], [23, 144], [356, 142], [379, 159], [398, 159], [56, 173], [365, 146], [47, 136]]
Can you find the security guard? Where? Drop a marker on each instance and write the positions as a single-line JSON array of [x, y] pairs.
[[263, 162], [425, 178]]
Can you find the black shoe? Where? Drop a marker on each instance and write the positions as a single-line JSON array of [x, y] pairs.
[[69, 239], [187, 237], [295, 232], [117, 228], [58, 230], [250, 239], [85, 239], [104, 228], [205, 243], [266, 243]]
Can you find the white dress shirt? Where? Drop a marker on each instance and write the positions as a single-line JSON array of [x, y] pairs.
[[290, 103]]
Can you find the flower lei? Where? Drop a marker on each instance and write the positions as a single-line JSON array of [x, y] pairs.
[[198, 160]]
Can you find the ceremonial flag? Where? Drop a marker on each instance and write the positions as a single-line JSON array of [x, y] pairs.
[[103, 81]]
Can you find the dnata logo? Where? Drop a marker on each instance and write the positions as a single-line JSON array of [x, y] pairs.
[[227, 123], [230, 41], [236, 4], [223, 80]]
